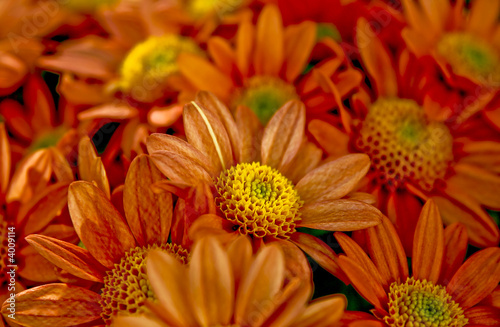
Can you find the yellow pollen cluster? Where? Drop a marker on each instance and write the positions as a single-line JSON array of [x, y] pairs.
[[470, 56], [403, 145], [148, 65], [126, 287], [258, 199], [419, 303], [265, 95], [200, 8]]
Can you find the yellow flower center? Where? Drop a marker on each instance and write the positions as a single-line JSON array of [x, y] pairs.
[[421, 303], [200, 8], [470, 56], [126, 287], [259, 200], [403, 145], [148, 65], [265, 95]]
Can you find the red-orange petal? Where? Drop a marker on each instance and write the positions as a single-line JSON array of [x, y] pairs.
[[98, 224], [483, 316], [55, 305], [5, 162], [476, 278], [299, 42], [428, 244], [149, 215], [455, 249]]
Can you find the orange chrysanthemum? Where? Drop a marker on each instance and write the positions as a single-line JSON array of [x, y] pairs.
[[232, 287], [265, 183], [415, 154], [441, 291], [465, 42], [113, 253], [264, 68]]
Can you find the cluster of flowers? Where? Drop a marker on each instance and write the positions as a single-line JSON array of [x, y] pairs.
[[184, 163]]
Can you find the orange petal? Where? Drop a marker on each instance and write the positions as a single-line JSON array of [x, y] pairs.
[[212, 283], [455, 248], [483, 16], [476, 278], [222, 53], [149, 215], [483, 316], [211, 224], [90, 166], [376, 60], [167, 277], [244, 46], [72, 258], [355, 252], [109, 111], [240, 257], [295, 261], [339, 215], [203, 75], [437, 13], [55, 305], [43, 208], [5, 162], [207, 133], [331, 139], [257, 288], [428, 244], [493, 299], [269, 46], [210, 102], [39, 102], [181, 162], [134, 321], [481, 229], [283, 135], [98, 224], [307, 158], [299, 42], [323, 312], [164, 116], [250, 130], [481, 184], [320, 252], [363, 282], [343, 175], [387, 253]]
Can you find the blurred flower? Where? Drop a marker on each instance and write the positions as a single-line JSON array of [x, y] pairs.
[[265, 67], [415, 154], [263, 188], [232, 288], [441, 291], [113, 253]]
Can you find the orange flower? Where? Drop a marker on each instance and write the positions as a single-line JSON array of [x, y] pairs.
[[113, 253], [33, 197], [265, 187], [264, 68], [416, 154], [441, 291], [465, 42], [232, 288]]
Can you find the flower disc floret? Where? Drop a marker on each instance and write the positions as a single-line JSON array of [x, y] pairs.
[[126, 286], [419, 303], [403, 145], [259, 200]]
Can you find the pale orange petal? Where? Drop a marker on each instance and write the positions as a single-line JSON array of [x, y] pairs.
[[149, 215], [283, 135], [295, 261], [98, 224], [211, 282], [330, 138], [71, 258], [240, 257], [110, 111], [269, 47], [322, 312], [250, 130], [211, 224], [207, 133], [55, 305], [428, 244], [90, 166], [134, 321], [222, 53], [257, 288], [343, 175], [477, 277], [167, 277], [339, 215]]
